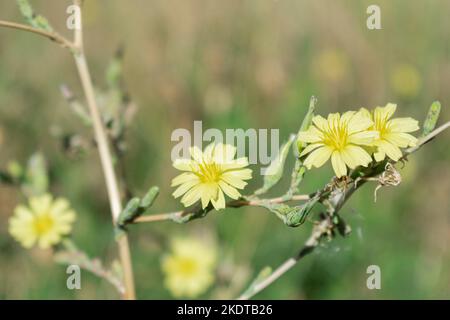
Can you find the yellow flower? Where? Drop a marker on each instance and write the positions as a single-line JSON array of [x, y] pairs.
[[331, 65], [392, 132], [338, 137], [189, 268], [44, 222], [209, 175], [405, 80]]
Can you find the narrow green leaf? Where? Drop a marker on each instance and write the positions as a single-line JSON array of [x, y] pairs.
[[432, 118], [130, 212], [275, 170], [36, 175], [149, 198], [114, 70], [306, 122]]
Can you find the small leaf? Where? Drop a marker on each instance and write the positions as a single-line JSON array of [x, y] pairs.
[[114, 70], [432, 118], [275, 170], [36, 175], [292, 216], [149, 198], [15, 170], [130, 212], [306, 122], [36, 21]]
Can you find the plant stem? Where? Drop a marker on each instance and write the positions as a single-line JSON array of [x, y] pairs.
[[50, 35], [231, 204], [108, 169], [106, 161]]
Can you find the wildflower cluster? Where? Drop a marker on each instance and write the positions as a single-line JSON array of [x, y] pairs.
[[356, 138]]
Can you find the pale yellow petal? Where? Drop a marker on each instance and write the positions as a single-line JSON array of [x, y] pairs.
[[224, 153], [310, 148], [400, 139], [184, 164], [338, 164], [379, 155], [318, 157], [333, 119], [185, 187], [320, 122], [219, 203], [234, 179], [311, 135], [363, 138], [229, 190], [403, 125], [389, 149], [346, 117], [192, 196], [196, 154], [183, 178], [355, 156], [40, 204], [358, 123], [365, 113], [234, 164]]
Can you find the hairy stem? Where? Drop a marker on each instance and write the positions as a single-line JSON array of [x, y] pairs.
[[50, 35], [230, 204], [106, 161]]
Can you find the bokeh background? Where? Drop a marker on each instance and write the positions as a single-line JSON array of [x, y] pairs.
[[234, 64]]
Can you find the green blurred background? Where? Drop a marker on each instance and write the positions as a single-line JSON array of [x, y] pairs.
[[234, 64]]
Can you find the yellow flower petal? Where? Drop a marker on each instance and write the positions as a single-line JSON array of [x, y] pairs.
[[229, 190], [184, 164], [311, 135], [318, 157], [404, 125], [224, 153], [338, 164], [358, 123], [390, 150], [185, 187], [183, 178], [220, 202], [310, 148], [320, 122], [365, 138], [403, 140]]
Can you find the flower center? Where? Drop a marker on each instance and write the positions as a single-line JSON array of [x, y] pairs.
[[187, 266], [380, 125], [209, 172], [43, 224], [336, 136]]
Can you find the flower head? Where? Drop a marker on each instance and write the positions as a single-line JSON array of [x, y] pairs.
[[44, 221], [210, 174], [405, 80], [189, 268], [340, 138], [393, 133]]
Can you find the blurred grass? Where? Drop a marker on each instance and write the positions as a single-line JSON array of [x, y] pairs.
[[236, 64]]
